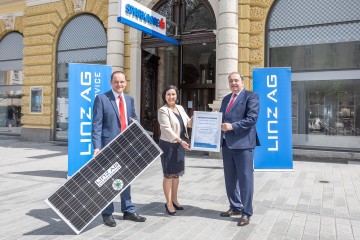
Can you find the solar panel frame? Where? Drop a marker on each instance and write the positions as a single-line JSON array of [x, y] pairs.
[[103, 178]]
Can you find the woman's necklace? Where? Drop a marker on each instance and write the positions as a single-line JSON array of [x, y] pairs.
[[173, 108]]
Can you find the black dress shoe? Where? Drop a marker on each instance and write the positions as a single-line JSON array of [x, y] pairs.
[[170, 213], [244, 220], [133, 217], [109, 221], [229, 213], [177, 207]]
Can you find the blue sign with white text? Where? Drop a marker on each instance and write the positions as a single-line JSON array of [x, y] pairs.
[[138, 16], [274, 126], [85, 82]]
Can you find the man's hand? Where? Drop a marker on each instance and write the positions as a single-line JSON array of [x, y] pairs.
[[96, 151], [226, 127]]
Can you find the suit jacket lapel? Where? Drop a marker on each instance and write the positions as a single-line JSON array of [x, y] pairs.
[[128, 107], [225, 102], [113, 103]]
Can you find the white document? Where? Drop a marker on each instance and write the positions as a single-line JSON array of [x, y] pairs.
[[206, 131]]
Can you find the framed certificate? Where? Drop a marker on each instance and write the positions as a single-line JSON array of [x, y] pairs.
[[206, 131]]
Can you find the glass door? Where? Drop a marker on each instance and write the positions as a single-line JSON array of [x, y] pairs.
[[197, 83], [191, 68]]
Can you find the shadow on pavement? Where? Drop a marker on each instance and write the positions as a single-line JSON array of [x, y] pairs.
[[56, 226], [44, 173], [208, 167], [14, 142], [187, 212]]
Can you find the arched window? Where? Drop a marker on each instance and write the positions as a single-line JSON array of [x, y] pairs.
[[194, 17], [11, 56], [83, 40]]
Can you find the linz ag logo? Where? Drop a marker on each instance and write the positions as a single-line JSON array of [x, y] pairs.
[[107, 174]]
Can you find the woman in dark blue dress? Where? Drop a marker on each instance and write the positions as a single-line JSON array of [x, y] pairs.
[[173, 122]]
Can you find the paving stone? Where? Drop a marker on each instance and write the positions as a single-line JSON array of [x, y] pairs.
[[287, 205]]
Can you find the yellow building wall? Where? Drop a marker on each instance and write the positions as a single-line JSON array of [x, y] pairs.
[[41, 27], [252, 26]]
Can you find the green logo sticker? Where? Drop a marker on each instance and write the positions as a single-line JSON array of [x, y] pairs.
[[117, 184]]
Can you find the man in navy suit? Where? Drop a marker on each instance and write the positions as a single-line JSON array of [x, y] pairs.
[[106, 126], [240, 112]]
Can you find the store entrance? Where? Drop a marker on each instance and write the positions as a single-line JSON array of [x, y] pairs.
[[189, 67]]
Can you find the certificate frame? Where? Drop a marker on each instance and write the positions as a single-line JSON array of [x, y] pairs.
[[206, 131], [36, 99]]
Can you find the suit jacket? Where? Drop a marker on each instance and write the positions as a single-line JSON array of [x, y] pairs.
[[169, 124], [242, 116], [106, 118]]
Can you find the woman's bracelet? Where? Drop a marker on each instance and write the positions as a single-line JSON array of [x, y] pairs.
[[181, 141]]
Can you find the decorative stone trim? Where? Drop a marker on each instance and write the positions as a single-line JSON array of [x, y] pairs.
[[14, 14], [39, 40], [39, 80], [43, 19], [261, 3], [257, 13], [37, 60], [38, 50], [79, 5], [38, 70], [9, 22], [49, 28], [256, 56], [254, 40], [31, 3]]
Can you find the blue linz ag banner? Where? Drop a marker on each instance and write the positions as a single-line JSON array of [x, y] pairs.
[[274, 126], [85, 82]]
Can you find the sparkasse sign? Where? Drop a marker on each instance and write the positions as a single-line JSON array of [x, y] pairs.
[[144, 19]]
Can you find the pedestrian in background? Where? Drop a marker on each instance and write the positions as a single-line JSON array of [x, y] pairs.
[[11, 118]]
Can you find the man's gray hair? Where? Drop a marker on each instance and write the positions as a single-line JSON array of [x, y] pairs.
[[241, 76]]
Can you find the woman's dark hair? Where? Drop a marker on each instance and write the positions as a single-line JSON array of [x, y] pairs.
[[167, 89]]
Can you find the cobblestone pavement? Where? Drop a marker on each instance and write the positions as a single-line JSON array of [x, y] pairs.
[[317, 200]]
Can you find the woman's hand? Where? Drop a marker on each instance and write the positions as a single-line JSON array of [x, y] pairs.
[[189, 124], [185, 145]]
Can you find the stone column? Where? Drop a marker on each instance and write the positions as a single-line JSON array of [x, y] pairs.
[[226, 49], [135, 68], [115, 44]]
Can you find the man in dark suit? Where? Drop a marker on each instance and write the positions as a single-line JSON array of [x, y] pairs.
[[108, 121], [240, 112]]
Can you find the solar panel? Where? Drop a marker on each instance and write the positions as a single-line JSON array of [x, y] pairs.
[[104, 177]]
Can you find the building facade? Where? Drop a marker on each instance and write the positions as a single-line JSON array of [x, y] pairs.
[[319, 40]]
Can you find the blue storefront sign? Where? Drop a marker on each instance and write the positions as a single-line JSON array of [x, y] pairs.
[[144, 19], [274, 125], [85, 82]]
